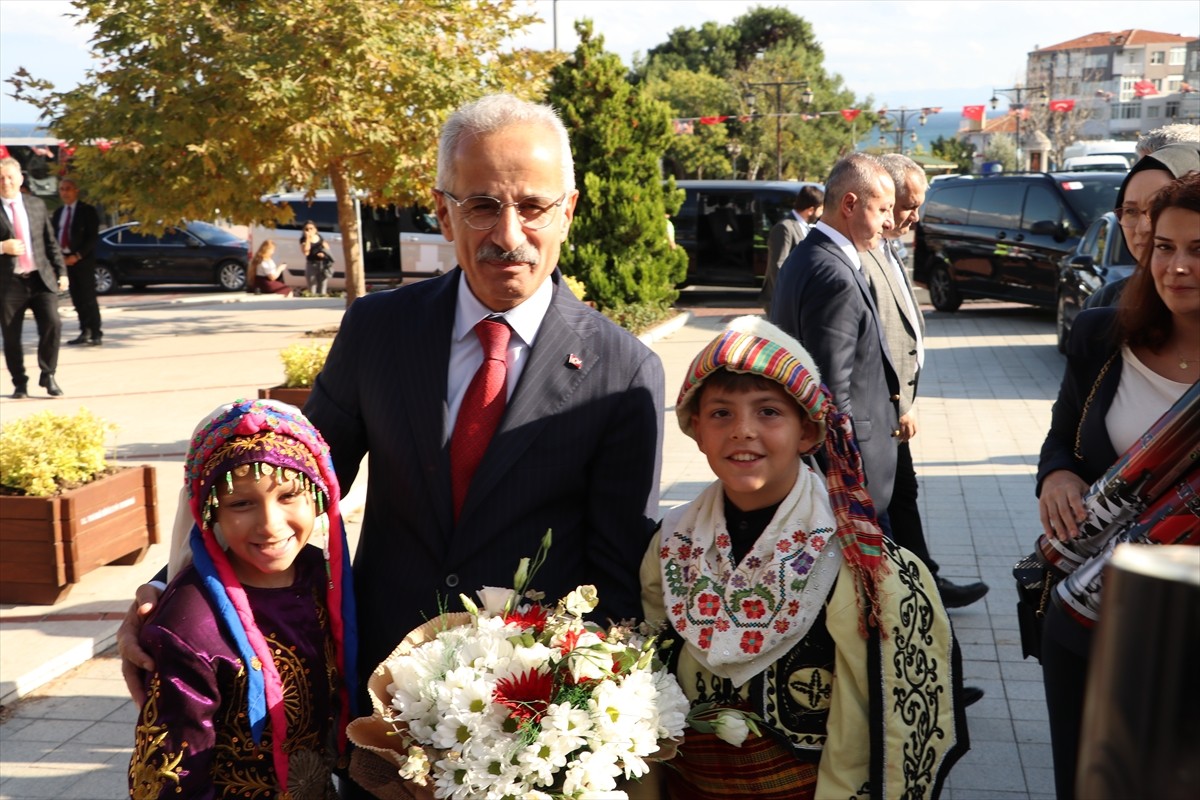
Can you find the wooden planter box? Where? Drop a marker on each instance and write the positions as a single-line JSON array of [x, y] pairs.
[[49, 543], [296, 397]]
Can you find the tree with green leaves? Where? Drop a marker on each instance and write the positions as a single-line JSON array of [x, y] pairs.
[[618, 135], [952, 148], [766, 57], [1002, 148], [204, 106], [702, 151]]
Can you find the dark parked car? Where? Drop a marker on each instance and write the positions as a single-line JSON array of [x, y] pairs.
[[1004, 236], [723, 226], [1101, 258], [198, 253]]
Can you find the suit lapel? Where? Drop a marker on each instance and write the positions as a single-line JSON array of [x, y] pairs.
[[423, 373], [863, 288], [547, 383]]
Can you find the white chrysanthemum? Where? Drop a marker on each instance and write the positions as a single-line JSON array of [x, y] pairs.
[[596, 772], [671, 704], [565, 729]]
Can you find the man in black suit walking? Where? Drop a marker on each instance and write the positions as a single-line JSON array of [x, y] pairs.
[[32, 273], [77, 226], [823, 300]]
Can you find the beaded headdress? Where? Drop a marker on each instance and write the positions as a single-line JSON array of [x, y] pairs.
[[264, 436], [751, 345]]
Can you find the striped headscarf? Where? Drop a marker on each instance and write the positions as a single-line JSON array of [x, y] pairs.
[[267, 435], [751, 345]]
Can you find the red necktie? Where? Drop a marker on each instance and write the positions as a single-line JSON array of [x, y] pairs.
[[481, 409], [64, 238], [24, 262]]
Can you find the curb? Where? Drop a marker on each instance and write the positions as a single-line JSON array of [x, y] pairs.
[[665, 329]]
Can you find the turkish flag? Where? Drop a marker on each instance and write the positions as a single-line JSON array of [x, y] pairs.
[[1144, 89], [851, 113], [973, 112], [3, 151], [1062, 105], [712, 120]]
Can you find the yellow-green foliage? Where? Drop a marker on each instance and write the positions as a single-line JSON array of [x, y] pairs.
[[302, 362], [577, 287], [42, 453]]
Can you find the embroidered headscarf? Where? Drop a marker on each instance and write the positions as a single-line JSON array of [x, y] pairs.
[[265, 436], [751, 345]]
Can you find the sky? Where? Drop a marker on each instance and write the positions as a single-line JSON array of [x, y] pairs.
[[899, 52]]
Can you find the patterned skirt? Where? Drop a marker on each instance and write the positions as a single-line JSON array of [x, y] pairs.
[[707, 768]]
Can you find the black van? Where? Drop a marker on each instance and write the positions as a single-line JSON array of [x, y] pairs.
[[1003, 236], [723, 226]]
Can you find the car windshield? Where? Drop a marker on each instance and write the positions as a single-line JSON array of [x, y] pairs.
[[211, 234], [1091, 196]]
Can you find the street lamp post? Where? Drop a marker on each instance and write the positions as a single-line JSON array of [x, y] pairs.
[[902, 115], [1019, 107], [806, 97]]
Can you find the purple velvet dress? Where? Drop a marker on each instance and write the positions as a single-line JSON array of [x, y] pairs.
[[193, 735]]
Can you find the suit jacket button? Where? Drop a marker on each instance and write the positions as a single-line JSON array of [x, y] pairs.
[[895, 398], [896, 433], [452, 580]]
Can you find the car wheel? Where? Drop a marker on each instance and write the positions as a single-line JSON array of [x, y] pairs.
[[232, 276], [106, 281], [1062, 331], [942, 293]]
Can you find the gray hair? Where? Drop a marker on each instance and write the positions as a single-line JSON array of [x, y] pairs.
[[493, 113], [1180, 132], [857, 173], [901, 167], [9, 161]]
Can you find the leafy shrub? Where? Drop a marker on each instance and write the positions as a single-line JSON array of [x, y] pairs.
[[577, 287], [46, 452], [638, 317], [302, 362]]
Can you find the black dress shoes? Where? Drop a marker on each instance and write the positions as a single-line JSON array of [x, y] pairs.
[[955, 596], [20, 391], [52, 387], [95, 341], [971, 695], [83, 338]]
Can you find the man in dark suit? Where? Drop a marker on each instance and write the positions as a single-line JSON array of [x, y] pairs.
[[787, 233], [904, 330], [77, 226], [824, 301], [32, 273]]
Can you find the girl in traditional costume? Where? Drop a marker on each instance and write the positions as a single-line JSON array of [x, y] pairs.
[[254, 639], [788, 603]]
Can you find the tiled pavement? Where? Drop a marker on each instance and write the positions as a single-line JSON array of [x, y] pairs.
[[990, 376]]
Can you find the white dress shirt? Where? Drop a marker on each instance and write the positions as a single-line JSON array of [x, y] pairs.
[[466, 352], [844, 244], [19, 219]]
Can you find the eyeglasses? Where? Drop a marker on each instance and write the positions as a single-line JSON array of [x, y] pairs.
[[1128, 216], [482, 212]]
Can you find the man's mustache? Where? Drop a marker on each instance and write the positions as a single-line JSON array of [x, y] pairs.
[[525, 254]]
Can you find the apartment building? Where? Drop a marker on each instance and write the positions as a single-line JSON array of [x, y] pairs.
[[1124, 83]]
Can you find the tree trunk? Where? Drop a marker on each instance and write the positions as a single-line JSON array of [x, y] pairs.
[[348, 222]]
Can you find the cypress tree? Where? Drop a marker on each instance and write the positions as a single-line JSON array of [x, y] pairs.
[[619, 246]]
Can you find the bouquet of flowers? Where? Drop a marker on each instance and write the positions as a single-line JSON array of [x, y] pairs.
[[518, 699]]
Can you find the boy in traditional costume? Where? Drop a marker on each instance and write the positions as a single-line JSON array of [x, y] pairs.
[[789, 603], [253, 640]]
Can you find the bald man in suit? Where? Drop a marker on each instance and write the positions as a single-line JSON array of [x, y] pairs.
[[824, 301]]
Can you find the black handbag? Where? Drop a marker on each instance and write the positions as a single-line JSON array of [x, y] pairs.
[[1035, 581]]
